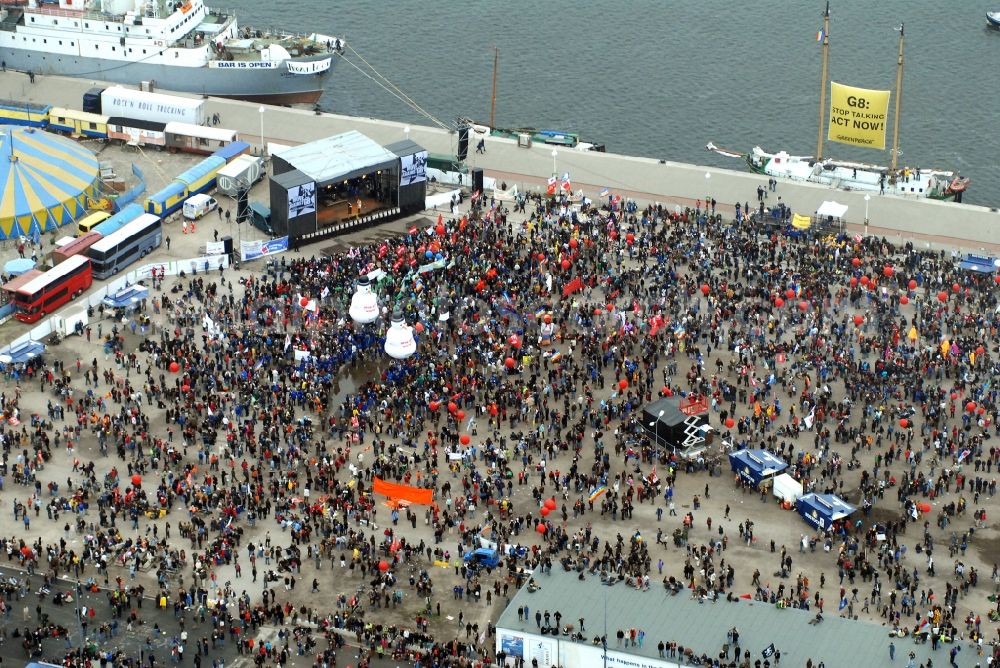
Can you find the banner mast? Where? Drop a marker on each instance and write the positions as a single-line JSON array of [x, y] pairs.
[[822, 84], [899, 101]]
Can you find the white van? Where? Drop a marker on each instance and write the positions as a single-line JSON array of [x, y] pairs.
[[197, 206]]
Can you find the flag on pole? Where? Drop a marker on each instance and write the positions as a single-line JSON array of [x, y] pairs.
[[565, 182], [809, 419], [768, 651], [551, 190], [819, 36]]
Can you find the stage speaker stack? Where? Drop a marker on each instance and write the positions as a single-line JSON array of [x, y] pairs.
[[463, 142], [477, 180]]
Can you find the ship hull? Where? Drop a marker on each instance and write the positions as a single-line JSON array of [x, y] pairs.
[[272, 86]]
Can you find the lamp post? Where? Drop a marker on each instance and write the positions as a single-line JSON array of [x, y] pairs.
[[654, 426], [263, 146], [867, 199], [555, 154], [406, 131]]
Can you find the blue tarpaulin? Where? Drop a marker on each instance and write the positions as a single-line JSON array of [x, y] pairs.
[[754, 466], [822, 510], [127, 297], [979, 263]]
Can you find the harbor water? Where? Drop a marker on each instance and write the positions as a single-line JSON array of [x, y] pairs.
[[662, 79]]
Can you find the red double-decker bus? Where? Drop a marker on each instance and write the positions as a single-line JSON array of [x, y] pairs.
[[44, 294]]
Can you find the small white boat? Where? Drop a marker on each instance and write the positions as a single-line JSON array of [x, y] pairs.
[[993, 18]]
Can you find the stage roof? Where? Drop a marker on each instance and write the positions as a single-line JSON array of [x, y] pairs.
[[343, 156]]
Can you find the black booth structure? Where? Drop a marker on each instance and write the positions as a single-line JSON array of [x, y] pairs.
[[678, 424], [343, 183]]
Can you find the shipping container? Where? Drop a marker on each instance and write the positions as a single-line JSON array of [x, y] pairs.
[[233, 151], [120, 101], [242, 172]]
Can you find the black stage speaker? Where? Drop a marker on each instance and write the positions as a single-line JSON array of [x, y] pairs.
[[477, 180], [227, 244], [242, 206], [463, 142]]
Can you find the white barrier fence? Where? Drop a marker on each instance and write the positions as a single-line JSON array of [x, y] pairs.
[[65, 322]]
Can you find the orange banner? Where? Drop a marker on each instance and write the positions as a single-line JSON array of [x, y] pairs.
[[394, 490]]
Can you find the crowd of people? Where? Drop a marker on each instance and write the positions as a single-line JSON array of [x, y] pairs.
[[232, 452]]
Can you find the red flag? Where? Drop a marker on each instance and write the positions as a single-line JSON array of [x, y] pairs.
[[551, 190]]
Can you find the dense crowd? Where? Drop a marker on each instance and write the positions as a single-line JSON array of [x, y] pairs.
[[241, 437]]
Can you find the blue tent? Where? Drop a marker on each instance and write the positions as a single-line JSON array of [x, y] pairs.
[[127, 297], [22, 352], [755, 466], [980, 264], [822, 510]]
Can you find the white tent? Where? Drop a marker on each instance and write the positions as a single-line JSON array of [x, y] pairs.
[[787, 488], [831, 209]]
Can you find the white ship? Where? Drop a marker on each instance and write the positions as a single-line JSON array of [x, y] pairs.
[[179, 46]]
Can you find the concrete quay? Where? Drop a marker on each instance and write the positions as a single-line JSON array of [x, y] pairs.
[[898, 219]]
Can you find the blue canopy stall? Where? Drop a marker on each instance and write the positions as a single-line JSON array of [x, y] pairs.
[[822, 510], [980, 264], [756, 466], [127, 297], [22, 352]]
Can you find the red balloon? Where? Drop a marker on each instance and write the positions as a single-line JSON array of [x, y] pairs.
[[304, 301], [779, 302], [541, 257], [665, 391], [613, 234], [730, 423], [705, 289], [630, 238], [854, 282], [971, 406], [904, 423], [540, 528], [789, 294], [623, 384], [185, 388], [887, 271], [954, 395], [955, 287], [980, 410], [419, 327], [383, 565], [452, 407], [434, 405], [942, 296], [803, 306], [912, 284], [609, 307], [565, 264], [174, 367], [509, 362], [858, 319], [136, 480], [904, 300], [545, 511], [856, 262], [459, 415], [573, 243], [464, 439], [980, 350], [440, 230], [996, 279], [865, 280], [550, 503], [514, 341]]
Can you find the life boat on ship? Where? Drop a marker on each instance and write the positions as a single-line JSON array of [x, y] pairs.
[[959, 184]]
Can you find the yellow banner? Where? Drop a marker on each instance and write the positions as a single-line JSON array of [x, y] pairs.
[[800, 222], [858, 116]]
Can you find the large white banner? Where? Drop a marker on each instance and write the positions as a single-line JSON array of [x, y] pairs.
[[310, 67]]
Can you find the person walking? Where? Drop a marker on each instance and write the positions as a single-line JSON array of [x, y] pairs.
[[892, 651]]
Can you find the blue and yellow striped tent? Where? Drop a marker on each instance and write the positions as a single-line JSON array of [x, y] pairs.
[[45, 181]]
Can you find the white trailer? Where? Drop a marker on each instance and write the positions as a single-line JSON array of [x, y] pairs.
[[154, 107], [242, 172]]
